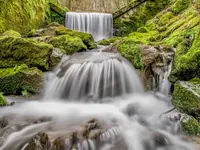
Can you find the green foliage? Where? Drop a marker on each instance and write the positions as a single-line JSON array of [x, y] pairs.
[[186, 97], [20, 78], [68, 43], [2, 100], [15, 50]]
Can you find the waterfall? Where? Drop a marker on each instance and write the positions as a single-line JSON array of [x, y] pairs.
[[100, 25], [93, 76]]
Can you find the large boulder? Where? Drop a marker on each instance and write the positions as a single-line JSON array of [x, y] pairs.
[[15, 50], [20, 78], [68, 43], [57, 30], [186, 97]]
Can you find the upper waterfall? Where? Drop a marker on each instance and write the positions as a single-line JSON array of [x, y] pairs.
[[100, 25]]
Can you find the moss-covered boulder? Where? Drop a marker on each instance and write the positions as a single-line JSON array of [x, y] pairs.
[[55, 29], [12, 33], [15, 51], [26, 15], [190, 125], [2, 100], [109, 41], [186, 97], [20, 78], [87, 38], [68, 43]]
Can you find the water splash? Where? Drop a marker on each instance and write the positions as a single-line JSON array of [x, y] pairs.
[[100, 25]]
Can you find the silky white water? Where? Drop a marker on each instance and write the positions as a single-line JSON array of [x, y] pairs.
[[100, 25], [138, 129], [91, 76]]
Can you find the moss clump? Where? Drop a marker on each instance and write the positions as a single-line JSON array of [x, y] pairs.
[[68, 43], [109, 41], [104, 42], [2, 100], [20, 78], [190, 125], [87, 38], [186, 97], [131, 51], [12, 33], [15, 50]]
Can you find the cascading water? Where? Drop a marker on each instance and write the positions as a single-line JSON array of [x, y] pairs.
[[128, 119], [100, 25], [93, 76]]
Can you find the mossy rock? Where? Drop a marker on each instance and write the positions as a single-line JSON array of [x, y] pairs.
[[20, 78], [104, 42], [26, 15], [68, 43], [2, 100], [15, 50], [12, 33], [131, 51], [190, 125], [109, 41], [186, 97], [87, 38]]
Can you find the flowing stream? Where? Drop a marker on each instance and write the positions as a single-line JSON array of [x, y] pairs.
[[93, 101]]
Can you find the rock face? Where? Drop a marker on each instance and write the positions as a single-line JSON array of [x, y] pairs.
[[26, 15], [20, 78], [95, 5], [186, 97]]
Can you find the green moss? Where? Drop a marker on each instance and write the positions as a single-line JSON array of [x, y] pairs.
[[31, 33], [2, 100], [109, 41], [186, 97], [190, 125], [131, 51], [141, 15], [14, 50], [180, 5], [87, 38], [26, 15], [20, 78], [68, 43], [12, 33], [104, 42]]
